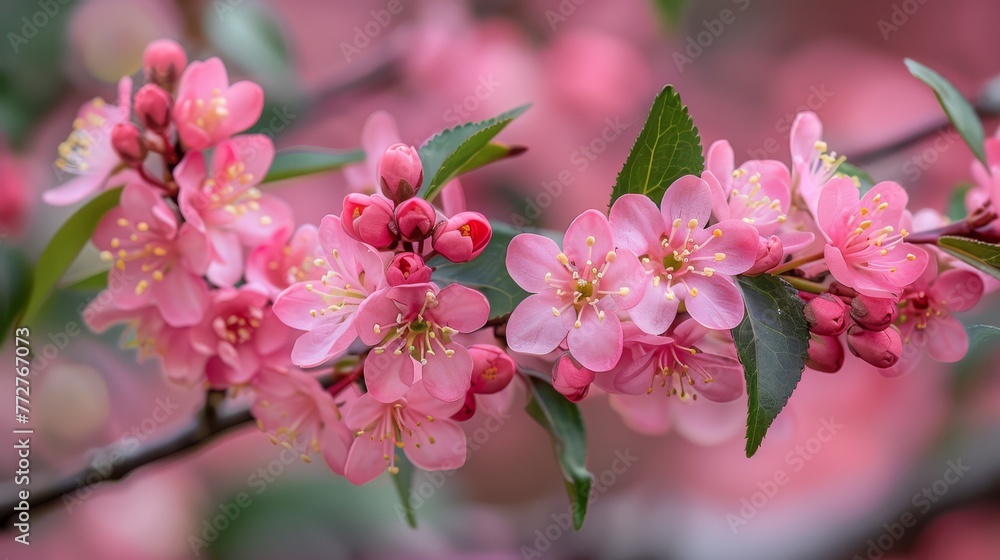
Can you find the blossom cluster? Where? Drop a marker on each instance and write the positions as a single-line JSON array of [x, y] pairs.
[[219, 285]]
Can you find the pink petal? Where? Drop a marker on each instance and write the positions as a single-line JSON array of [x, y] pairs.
[[226, 268], [837, 201], [76, 189], [532, 328], [591, 224], [335, 442], [687, 198], [181, 297], [364, 412], [529, 258], [738, 242], [461, 308], [646, 414], [719, 303], [957, 289], [293, 304], [707, 422], [377, 309], [893, 195], [194, 249], [447, 452], [806, 131], [636, 223], [720, 162], [596, 343], [447, 378], [452, 198], [365, 460], [388, 376], [947, 341], [255, 152], [323, 343], [654, 313], [625, 272], [245, 101], [256, 227], [726, 372], [720, 198]]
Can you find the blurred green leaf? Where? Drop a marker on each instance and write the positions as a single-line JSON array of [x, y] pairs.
[[864, 180], [956, 205], [64, 247], [494, 151], [402, 481], [958, 109], [297, 162], [979, 334], [93, 282], [671, 12], [667, 148], [447, 154], [486, 273], [771, 342], [562, 420], [984, 256], [15, 285]]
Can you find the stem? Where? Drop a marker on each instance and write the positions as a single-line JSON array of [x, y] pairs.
[[963, 228], [792, 265], [803, 285]]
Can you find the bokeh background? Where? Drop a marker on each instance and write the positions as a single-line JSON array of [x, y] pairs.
[[856, 451]]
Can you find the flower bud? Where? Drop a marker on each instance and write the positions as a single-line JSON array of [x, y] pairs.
[[415, 219], [769, 254], [407, 268], [571, 380], [369, 219], [127, 143], [826, 353], [468, 409], [400, 172], [463, 237], [879, 348], [492, 369], [152, 105], [827, 315], [874, 314], [163, 61]]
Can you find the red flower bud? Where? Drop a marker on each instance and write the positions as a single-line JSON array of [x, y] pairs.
[[415, 219], [769, 254], [163, 61], [407, 268], [468, 408], [492, 369], [152, 105], [879, 348], [827, 315], [463, 237], [127, 142], [369, 219], [570, 379], [400, 172], [874, 314], [826, 353]]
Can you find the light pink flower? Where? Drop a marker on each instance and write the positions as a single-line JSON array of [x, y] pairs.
[[413, 325], [417, 423], [208, 110], [224, 202], [812, 166], [865, 238], [242, 337], [577, 292], [282, 262], [378, 133], [162, 263], [87, 153], [326, 308], [682, 260], [294, 410]]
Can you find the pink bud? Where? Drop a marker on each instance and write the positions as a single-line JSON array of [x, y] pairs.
[[827, 315], [826, 353], [769, 255], [127, 142], [463, 237], [415, 219], [163, 61], [400, 172], [874, 314], [407, 268], [152, 105], [468, 408], [570, 379], [492, 369], [879, 348], [369, 219]]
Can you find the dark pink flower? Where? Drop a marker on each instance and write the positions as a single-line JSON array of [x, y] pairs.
[[463, 236], [370, 219]]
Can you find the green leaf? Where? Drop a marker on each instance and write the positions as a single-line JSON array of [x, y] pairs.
[[671, 12], [297, 162], [958, 109], [862, 178], [771, 342], [93, 282], [979, 334], [667, 148], [486, 273], [562, 420], [403, 480], [446, 154], [65, 245], [15, 284], [984, 256], [494, 151], [956, 204]]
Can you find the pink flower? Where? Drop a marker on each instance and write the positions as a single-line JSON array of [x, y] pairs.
[[413, 325], [208, 110], [865, 238], [400, 172], [682, 260], [407, 268], [576, 292], [87, 153], [243, 337], [370, 219], [378, 133], [416, 422], [812, 167], [463, 237], [326, 308], [415, 219], [162, 263], [224, 202], [280, 263], [492, 369], [297, 413]]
